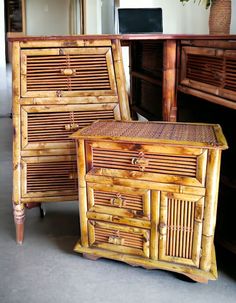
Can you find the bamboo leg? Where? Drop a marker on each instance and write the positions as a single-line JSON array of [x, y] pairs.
[[169, 111], [19, 218]]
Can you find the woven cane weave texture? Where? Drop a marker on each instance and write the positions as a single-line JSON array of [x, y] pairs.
[[153, 130]]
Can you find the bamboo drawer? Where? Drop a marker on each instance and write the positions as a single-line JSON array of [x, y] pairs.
[[49, 177], [208, 72], [64, 72], [119, 238], [148, 194], [50, 126], [150, 162], [119, 200]]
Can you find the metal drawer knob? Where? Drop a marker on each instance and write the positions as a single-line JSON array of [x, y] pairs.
[[118, 201], [162, 228], [68, 72], [73, 126], [116, 240], [140, 161]]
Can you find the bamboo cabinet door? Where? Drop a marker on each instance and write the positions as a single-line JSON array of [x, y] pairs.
[[210, 70], [180, 228], [67, 72]]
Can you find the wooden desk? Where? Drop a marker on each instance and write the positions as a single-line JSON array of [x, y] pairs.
[[163, 65]]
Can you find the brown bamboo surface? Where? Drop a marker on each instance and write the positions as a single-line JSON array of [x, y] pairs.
[[175, 133], [209, 69], [123, 37]]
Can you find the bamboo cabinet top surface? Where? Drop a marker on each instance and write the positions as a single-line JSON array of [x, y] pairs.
[[176, 134]]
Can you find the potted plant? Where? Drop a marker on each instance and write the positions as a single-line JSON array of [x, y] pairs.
[[220, 15]]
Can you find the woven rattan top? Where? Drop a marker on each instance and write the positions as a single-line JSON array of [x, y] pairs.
[[209, 135]]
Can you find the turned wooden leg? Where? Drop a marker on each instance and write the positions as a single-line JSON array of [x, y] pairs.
[[19, 218], [90, 257]]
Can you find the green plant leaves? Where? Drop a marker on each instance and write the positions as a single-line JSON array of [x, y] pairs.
[[206, 3]]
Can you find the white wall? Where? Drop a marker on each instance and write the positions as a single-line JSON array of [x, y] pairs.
[[2, 35], [93, 24], [5, 105], [47, 17], [108, 16], [233, 18], [190, 18]]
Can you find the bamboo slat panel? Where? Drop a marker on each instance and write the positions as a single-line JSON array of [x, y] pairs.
[[116, 237], [210, 70], [119, 200], [67, 70], [52, 126], [49, 176], [181, 228], [148, 162], [162, 164]]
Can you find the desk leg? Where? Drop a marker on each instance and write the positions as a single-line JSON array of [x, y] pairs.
[[169, 107]]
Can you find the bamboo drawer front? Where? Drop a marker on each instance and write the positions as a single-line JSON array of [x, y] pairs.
[[59, 86], [148, 194], [207, 71]]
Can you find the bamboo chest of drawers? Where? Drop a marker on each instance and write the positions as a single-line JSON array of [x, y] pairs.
[[60, 84], [148, 194]]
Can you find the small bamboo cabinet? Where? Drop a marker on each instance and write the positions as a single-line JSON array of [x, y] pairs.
[[148, 194], [60, 85]]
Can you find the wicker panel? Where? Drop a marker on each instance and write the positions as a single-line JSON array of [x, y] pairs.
[[132, 240], [105, 198], [57, 126], [90, 72], [205, 69], [149, 130], [157, 163], [180, 227], [51, 177]]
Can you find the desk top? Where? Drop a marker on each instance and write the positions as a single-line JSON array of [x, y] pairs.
[[126, 37]]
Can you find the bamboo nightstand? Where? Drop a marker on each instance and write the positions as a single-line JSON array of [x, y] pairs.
[[148, 194]]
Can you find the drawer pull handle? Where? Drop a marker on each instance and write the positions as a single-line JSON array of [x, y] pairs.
[[141, 162], [116, 240], [73, 126], [117, 201], [68, 72], [162, 228]]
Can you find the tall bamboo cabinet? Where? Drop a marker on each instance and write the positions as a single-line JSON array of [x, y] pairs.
[[60, 84], [148, 194]]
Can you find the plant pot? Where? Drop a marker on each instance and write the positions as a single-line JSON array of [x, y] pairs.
[[220, 17]]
